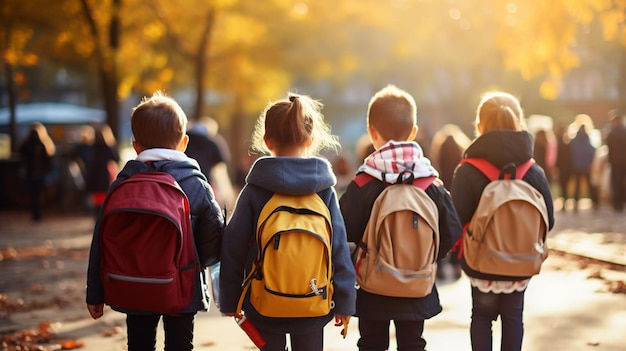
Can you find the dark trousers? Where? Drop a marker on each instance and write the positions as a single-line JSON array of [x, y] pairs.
[[578, 178], [375, 335], [142, 330], [35, 187], [563, 183], [618, 187], [300, 342], [486, 307]]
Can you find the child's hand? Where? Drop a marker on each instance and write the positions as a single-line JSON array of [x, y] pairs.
[[342, 320], [96, 311]]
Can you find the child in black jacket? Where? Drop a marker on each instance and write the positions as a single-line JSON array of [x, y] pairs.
[[391, 125]]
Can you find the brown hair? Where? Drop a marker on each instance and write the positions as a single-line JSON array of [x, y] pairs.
[[500, 111], [293, 122], [393, 113], [158, 122]]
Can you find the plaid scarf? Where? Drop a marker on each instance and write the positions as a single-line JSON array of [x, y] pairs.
[[395, 158]]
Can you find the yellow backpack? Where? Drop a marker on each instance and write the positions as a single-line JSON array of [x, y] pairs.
[[292, 273]]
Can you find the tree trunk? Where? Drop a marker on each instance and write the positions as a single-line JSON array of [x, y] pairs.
[[106, 62], [8, 71], [202, 63]]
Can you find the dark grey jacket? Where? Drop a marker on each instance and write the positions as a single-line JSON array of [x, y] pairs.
[[206, 217]]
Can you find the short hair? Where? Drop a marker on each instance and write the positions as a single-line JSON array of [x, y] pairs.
[[500, 111], [393, 113], [158, 122]]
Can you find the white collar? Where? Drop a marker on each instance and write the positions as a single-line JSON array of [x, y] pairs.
[[158, 154]]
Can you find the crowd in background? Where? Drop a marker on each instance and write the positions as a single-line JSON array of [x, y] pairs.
[[579, 159]]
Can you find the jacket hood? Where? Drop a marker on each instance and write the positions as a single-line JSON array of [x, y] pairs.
[[292, 175], [511, 146], [180, 169], [391, 162]]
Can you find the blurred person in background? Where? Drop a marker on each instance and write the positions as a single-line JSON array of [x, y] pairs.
[[583, 153], [211, 151], [446, 151], [563, 162], [616, 143], [103, 165], [36, 155]]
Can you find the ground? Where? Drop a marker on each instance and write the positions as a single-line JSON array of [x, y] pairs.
[[575, 303]]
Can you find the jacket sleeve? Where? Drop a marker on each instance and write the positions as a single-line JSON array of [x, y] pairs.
[[344, 277], [208, 224], [356, 206], [95, 289], [467, 186], [450, 228], [236, 248], [537, 178]]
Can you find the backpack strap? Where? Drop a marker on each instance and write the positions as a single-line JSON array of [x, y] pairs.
[[363, 178], [510, 171]]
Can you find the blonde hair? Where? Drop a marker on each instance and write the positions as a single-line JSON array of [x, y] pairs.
[[393, 113], [158, 122], [293, 122], [39, 131], [104, 135], [499, 111]]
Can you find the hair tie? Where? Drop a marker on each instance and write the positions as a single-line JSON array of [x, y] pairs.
[[292, 98]]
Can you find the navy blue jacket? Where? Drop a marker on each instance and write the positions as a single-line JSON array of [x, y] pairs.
[[206, 217], [500, 147], [284, 175]]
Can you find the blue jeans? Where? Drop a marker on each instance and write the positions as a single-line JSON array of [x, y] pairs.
[[142, 330], [375, 335], [299, 342], [486, 307]]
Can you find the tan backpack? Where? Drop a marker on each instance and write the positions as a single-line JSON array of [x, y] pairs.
[[397, 255], [507, 233]]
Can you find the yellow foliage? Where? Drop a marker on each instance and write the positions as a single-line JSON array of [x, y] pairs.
[[166, 75], [550, 88], [125, 86], [154, 30]]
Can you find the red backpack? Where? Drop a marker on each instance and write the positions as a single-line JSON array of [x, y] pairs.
[[149, 261]]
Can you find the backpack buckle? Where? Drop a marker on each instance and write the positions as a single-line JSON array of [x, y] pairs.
[[508, 172]]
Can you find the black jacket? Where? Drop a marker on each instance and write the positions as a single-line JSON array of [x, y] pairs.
[[499, 147], [356, 205]]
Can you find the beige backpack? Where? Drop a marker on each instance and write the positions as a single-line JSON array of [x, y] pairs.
[[507, 233], [397, 255]]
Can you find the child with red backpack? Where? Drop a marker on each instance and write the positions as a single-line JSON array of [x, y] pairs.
[[193, 222], [498, 285]]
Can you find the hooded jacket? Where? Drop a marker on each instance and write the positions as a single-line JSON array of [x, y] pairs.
[[285, 175], [356, 205], [500, 147], [206, 217]]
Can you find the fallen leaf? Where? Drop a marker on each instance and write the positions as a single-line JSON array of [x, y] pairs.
[[72, 344]]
